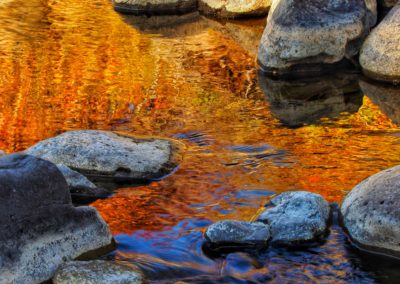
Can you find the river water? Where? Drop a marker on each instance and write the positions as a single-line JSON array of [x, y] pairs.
[[76, 64]]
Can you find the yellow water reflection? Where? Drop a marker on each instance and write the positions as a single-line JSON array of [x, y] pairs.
[[76, 64]]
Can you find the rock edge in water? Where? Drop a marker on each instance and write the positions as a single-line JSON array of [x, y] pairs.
[[232, 9], [155, 7]]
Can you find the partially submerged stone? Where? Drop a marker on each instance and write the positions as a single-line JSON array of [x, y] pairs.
[[296, 218], [235, 8], [40, 228], [80, 187], [370, 212], [303, 35], [380, 53], [98, 272], [231, 233], [110, 154], [155, 7], [2, 153]]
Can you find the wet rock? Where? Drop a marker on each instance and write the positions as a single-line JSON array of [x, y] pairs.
[[386, 96], [237, 233], [305, 101], [80, 187], [296, 218], [370, 212], [380, 53], [40, 228], [2, 153], [98, 272], [155, 7], [235, 8], [301, 36], [111, 155]]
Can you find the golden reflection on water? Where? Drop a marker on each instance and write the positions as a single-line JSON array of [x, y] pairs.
[[76, 64]]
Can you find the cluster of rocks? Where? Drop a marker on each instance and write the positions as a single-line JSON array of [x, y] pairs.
[[215, 8], [327, 34], [42, 232], [369, 214]]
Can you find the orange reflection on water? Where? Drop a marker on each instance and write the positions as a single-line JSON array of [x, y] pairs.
[[77, 64]]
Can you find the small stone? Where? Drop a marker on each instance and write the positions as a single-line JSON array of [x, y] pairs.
[[371, 215], [155, 7], [296, 218], [235, 8], [380, 53], [232, 232], [98, 272], [111, 155]]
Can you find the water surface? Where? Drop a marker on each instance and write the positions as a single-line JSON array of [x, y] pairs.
[[76, 64]]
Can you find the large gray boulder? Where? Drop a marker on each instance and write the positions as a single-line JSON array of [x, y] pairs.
[[296, 218], [302, 102], [40, 228], [300, 35], [109, 154], [98, 272], [370, 212], [156, 7], [231, 233], [380, 53], [234, 8], [386, 96]]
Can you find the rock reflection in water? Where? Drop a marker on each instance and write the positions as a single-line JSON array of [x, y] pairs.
[[387, 97], [302, 102]]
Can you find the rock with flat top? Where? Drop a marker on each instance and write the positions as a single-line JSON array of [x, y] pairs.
[[235, 8], [155, 7]]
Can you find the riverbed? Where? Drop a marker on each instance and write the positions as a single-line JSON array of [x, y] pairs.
[[77, 64]]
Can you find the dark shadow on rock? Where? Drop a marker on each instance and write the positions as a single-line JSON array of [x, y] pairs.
[[386, 96], [305, 101]]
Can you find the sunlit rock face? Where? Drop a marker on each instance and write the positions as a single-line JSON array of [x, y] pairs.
[[380, 53], [40, 228], [234, 8], [98, 272], [296, 218], [313, 32], [109, 154], [306, 101], [387, 97], [157, 7], [371, 214]]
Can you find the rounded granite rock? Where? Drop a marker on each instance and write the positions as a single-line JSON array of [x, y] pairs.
[[371, 215], [296, 218], [380, 53], [235, 8], [111, 155]]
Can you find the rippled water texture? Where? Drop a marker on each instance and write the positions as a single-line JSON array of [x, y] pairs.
[[76, 64]]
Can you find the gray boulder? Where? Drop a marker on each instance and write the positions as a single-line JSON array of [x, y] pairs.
[[235, 8], [155, 7], [300, 35], [237, 233], [98, 272], [296, 218], [109, 154], [380, 53], [40, 229], [80, 187], [370, 212]]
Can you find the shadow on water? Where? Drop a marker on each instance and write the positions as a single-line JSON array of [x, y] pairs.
[[306, 101]]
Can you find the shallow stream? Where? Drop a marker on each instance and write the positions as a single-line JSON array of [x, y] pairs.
[[77, 64]]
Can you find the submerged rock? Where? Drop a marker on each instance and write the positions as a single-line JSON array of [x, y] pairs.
[[80, 187], [302, 102], [98, 272], [231, 233], [300, 36], [40, 228], [380, 53], [370, 212], [235, 8], [112, 155], [386, 96], [296, 218], [155, 7]]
